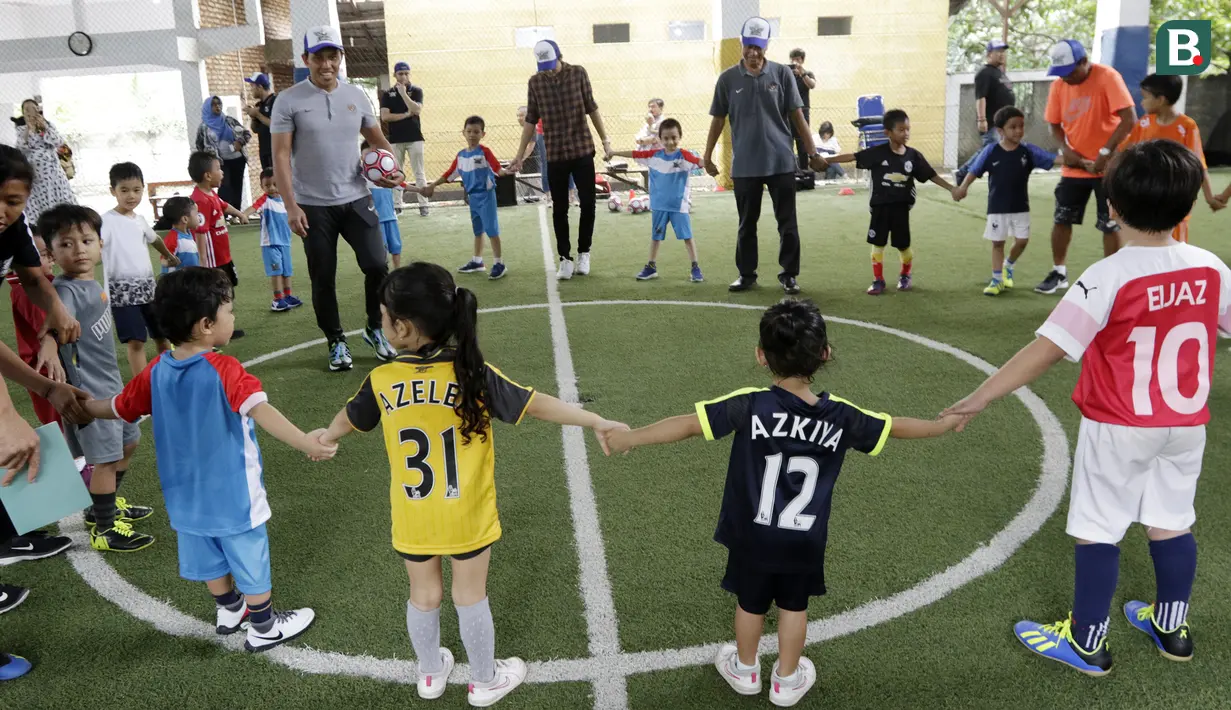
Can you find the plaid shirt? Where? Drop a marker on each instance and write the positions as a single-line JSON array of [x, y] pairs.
[[562, 99]]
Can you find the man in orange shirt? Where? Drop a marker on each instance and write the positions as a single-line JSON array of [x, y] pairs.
[[1090, 112], [1159, 95]]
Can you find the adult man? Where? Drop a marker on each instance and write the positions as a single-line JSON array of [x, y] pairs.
[[993, 91], [760, 97], [1090, 112], [400, 108], [560, 95], [805, 82], [260, 112], [316, 127], [647, 137]]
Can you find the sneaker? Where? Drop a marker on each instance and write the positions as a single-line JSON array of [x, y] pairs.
[[1054, 282], [1176, 645], [743, 283], [695, 275], [15, 668], [433, 686], [279, 306], [119, 538], [293, 302], [124, 511], [32, 547], [785, 693], [877, 288], [498, 271], [742, 682], [565, 272], [647, 272], [1055, 642], [228, 622], [1008, 279], [789, 285], [994, 288], [904, 282], [471, 267], [510, 672], [583, 264], [339, 356], [11, 597], [287, 625], [422, 210], [376, 339]]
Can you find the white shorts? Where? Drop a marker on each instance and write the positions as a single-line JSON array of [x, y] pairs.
[[1124, 475], [1003, 226]]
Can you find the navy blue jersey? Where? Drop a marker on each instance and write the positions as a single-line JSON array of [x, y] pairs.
[[894, 174], [1008, 175], [784, 461]]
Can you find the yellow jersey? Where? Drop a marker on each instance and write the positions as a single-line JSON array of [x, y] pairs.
[[442, 491]]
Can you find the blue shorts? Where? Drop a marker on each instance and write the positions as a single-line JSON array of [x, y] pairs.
[[277, 261], [681, 224], [244, 556], [483, 214], [393, 236], [136, 323]]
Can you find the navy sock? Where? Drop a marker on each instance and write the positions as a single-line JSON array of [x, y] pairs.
[[1097, 569], [119, 479], [230, 600], [1175, 566], [104, 511], [262, 619]]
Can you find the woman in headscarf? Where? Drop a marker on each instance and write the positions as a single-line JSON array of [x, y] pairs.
[[225, 137], [39, 142]]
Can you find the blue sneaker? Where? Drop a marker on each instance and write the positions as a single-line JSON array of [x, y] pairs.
[[473, 266], [376, 338], [339, 356], [293, 302], [647, 272], [498, 271], [695, 276], [15, 668], [1055, 642], [279, 306], [1176, 645]]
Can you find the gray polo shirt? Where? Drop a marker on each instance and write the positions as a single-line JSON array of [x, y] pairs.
[[758, 108], [325, 150]]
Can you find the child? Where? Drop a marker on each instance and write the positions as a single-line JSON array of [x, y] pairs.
[[209, 462], [71, 233], [1008, 165], [895, 168], [774, 522], [213, 238], [1159, 95], [478, 169], [127, 274], [1144, 408], [383, 198], [669, 199], [441, 395], [275, 243], [827, 146], [42, 354], [180, 215]]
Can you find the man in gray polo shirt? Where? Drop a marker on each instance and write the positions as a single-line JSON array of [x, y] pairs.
[[760, 97], [315, 127]]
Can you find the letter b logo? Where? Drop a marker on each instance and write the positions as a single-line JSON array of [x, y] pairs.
[[1183, 47]]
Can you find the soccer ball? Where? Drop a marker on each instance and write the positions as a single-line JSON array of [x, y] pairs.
[[614, 204], [638, 205], [379, 163]]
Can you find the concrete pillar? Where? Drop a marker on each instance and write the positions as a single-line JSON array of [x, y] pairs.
[[728, 19], [1122, 40], [305, 14]]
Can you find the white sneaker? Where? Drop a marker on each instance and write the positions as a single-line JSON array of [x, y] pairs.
[[433, 686], [510, 672], [231, 621], [583, 264], [742, 682], [565, 272], [785, 693], [287, 625]]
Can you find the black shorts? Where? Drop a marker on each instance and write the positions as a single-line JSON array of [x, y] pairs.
[[1072, 194], [756, 589], [136, 323], [229, 269], [890, 225], [460, 557]]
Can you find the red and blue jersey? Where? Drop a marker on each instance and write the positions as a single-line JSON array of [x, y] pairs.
[[668, 178], [477, 168], [209, 463]]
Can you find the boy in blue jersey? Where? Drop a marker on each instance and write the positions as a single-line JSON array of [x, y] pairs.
[[670, 202], [209, 462], [478, 169], [386, 211], [1008, 164], [275, 243], [181, 217], [788, 449]]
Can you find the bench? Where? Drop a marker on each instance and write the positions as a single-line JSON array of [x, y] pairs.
[[182, 188]]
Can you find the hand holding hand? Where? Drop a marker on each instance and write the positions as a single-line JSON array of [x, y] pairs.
[[242, 218], [298, 220], [318, 446], [620, 441], [515, 166], [391, 181], [426, 191], [68, 401], [1099, 164], [959, 193], [1216, 203], [710, 167], [965, 409], [173, 261], [604, 429], [608, 153]]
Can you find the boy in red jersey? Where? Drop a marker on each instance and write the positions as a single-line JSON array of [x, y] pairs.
[[213, 238], [42, 355]]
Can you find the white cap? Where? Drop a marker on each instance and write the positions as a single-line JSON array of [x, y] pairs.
[[756, 32], [320, 37]]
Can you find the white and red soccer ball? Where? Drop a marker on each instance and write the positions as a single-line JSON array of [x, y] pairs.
[[379, 164], [637, 205], [615, 204]]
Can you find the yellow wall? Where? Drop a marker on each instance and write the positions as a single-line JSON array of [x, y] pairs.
[[464, 56]]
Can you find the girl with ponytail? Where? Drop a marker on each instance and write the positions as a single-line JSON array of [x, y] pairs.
[[434, 404]]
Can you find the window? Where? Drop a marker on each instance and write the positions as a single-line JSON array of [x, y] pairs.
[[830, 26], [527, 37], [686, 30], [610, 34]]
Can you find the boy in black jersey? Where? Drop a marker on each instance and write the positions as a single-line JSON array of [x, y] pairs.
[[785, 458], [895, 167]]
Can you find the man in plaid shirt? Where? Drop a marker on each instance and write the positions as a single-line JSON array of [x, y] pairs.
[[560, 95]]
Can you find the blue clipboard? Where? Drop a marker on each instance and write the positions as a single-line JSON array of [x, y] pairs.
[[56, 493]]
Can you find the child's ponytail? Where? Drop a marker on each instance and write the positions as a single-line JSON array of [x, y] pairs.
[[469, 366]]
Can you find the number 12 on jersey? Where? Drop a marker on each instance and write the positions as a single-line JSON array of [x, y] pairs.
[[791, 517], [418, 462]]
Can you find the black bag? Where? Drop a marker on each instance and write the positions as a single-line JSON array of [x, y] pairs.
[[805, 180]]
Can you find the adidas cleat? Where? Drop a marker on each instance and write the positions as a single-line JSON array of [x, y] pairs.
[[1055, 642], [1176, 645]]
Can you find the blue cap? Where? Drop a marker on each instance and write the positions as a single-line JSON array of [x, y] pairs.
[[401, 66], [321, 37], [547, 54], [1065, 56], [997, 44], [259, 79], [756, 31]]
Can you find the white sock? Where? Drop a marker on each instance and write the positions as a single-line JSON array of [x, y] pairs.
[[498, 260], [791, 677], [739, 665], [1062, 269], [479, 637], [477, 259]]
